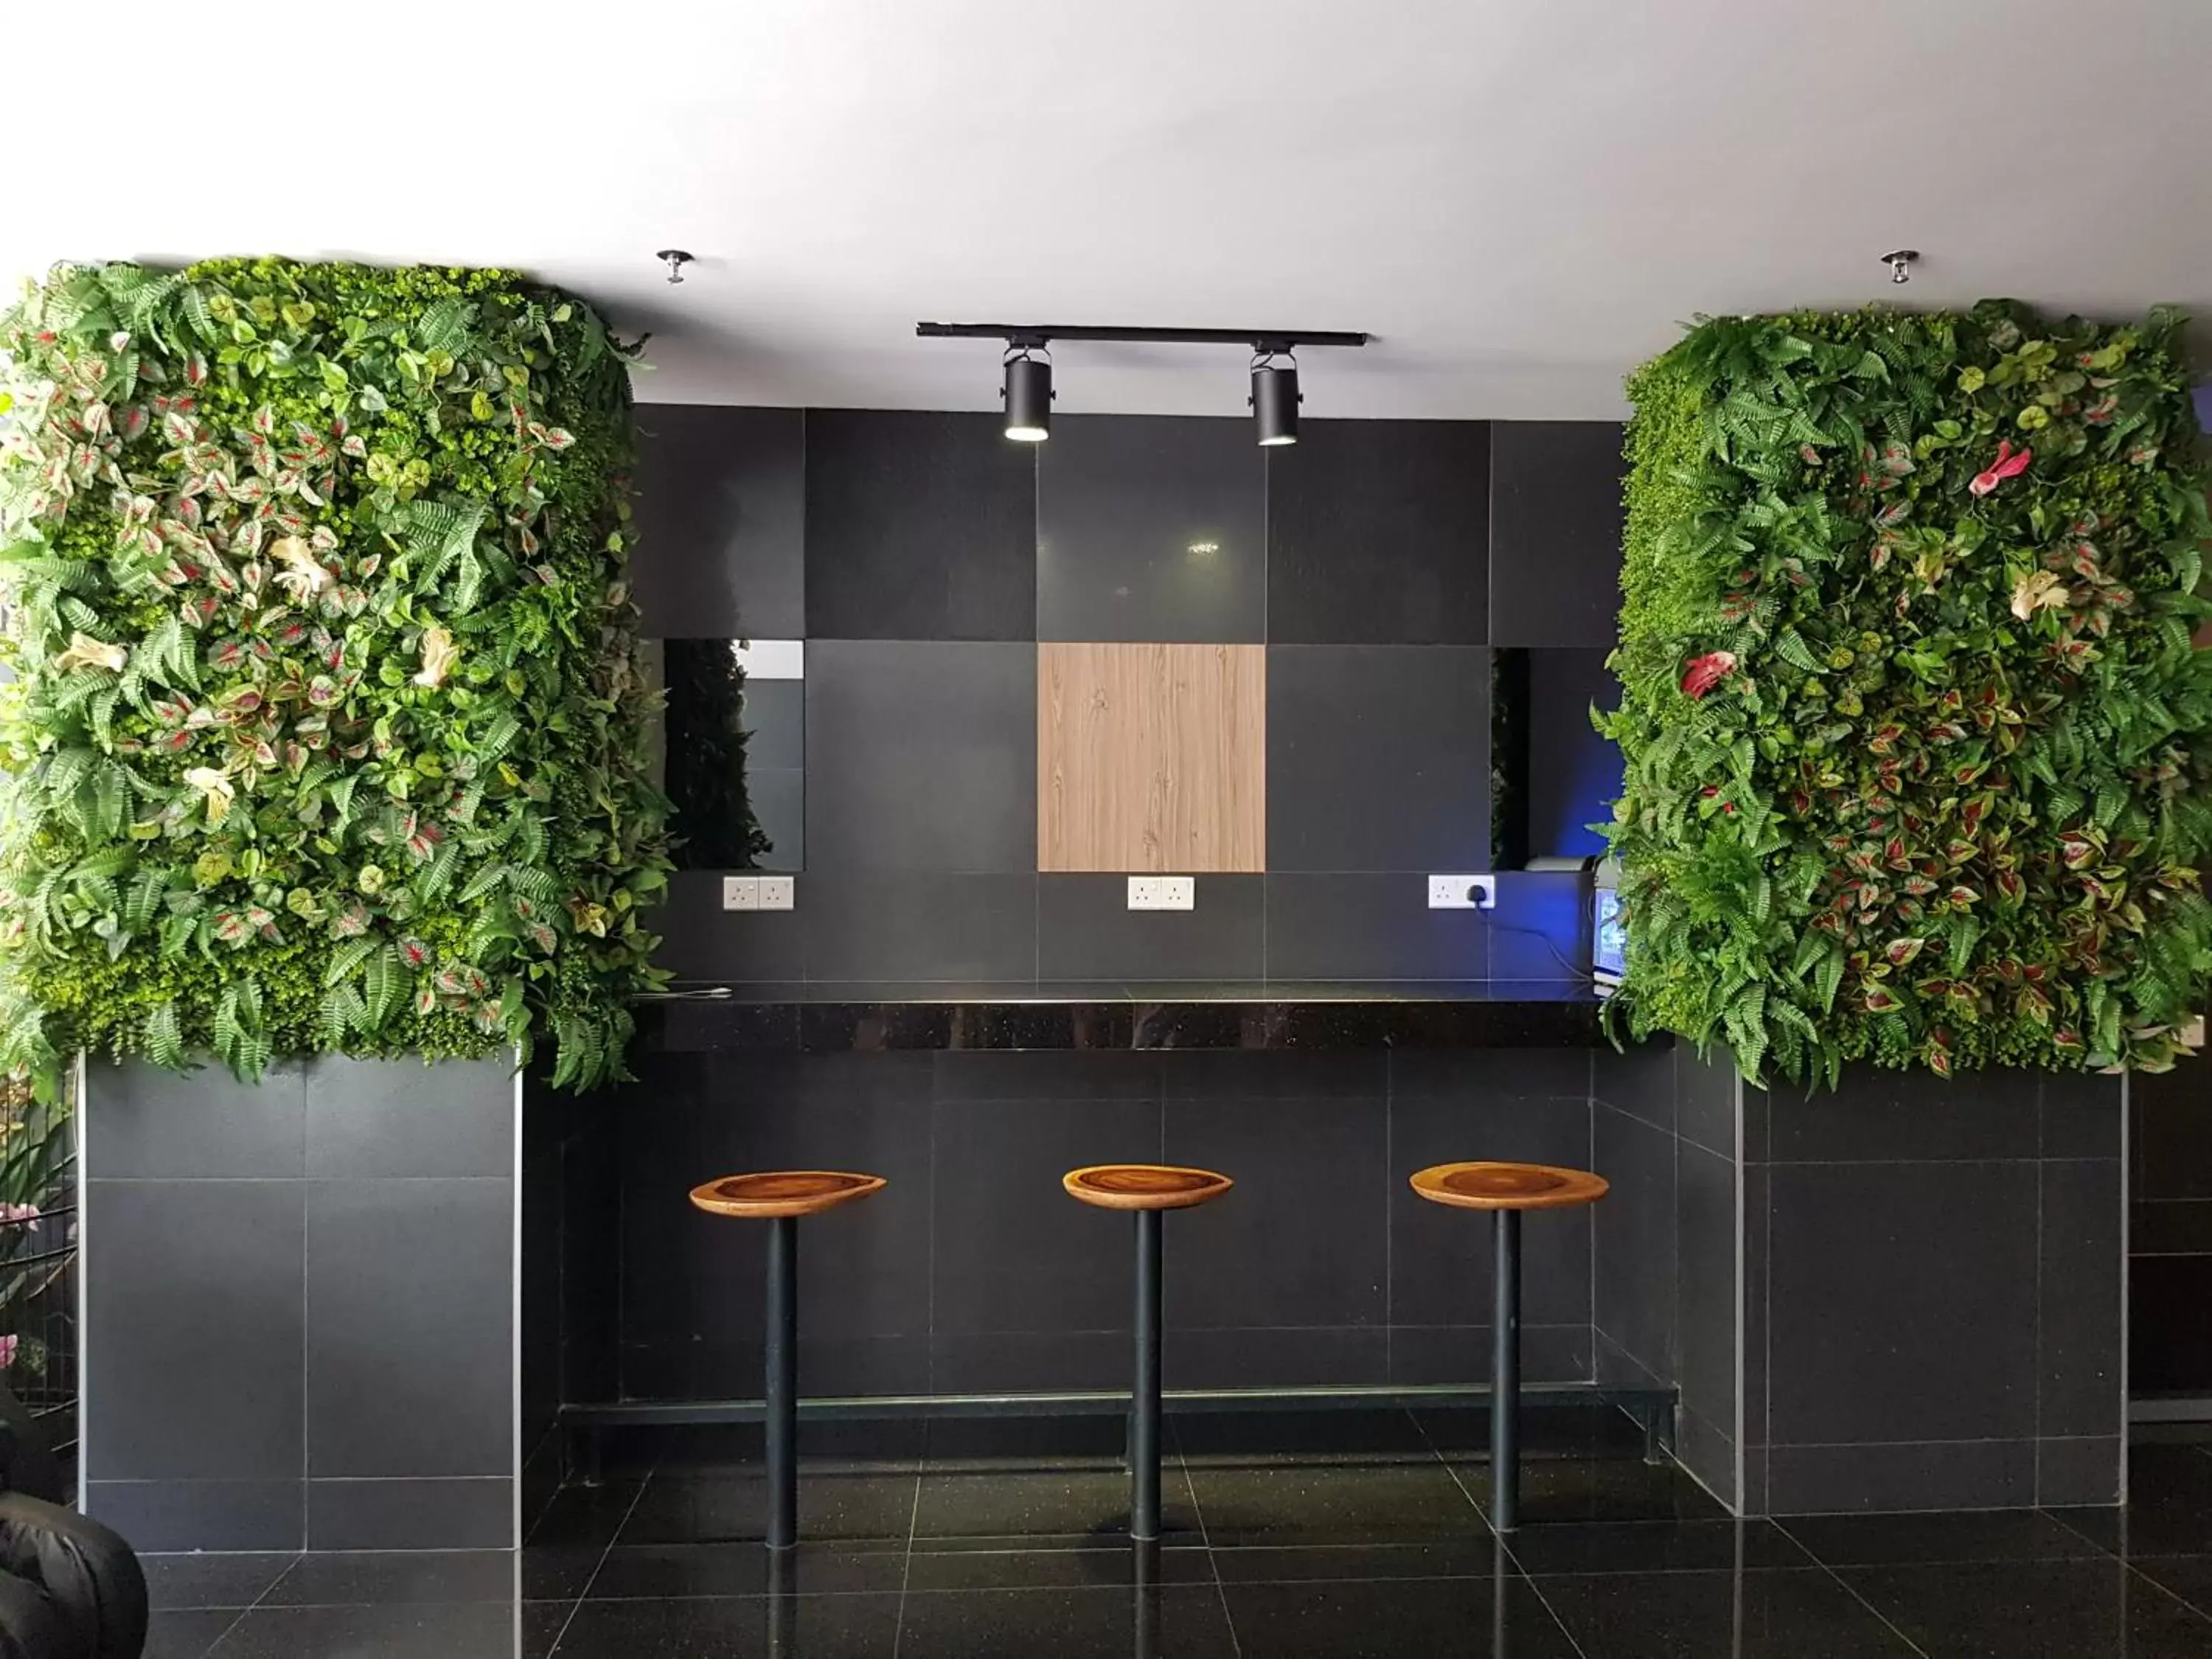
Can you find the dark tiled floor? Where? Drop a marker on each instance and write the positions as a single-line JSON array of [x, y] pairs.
[[1338, 1538]]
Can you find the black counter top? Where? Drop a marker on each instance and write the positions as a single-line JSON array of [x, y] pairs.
[[832, 1017]]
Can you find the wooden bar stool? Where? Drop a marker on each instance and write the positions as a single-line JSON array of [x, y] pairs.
[[779, 1197], [1148, 1189], [1505, 1190]]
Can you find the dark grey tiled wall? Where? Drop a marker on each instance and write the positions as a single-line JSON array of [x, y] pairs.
[[1666, 1285], [2169, 1232], [974, 1271], [300, 1306], [1555, 532], [1962, 1244], [931, 554], [1904, 1295]]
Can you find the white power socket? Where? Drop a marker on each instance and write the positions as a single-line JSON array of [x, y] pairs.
[[1163, 893], [1462, 892], [758, 892]]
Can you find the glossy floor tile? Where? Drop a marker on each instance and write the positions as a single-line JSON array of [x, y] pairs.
[[1339, 1535], [1798, 1613], [2034, 1610]]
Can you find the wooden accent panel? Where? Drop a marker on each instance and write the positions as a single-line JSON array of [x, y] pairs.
[[1152, 758]]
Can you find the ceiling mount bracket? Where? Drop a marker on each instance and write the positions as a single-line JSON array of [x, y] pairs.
[[1900, 264], [675, 258]]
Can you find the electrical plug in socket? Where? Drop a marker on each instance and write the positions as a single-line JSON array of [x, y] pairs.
[[741, 892], [1163, 893], [1462, 892]]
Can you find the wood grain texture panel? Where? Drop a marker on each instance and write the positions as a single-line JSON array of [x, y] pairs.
[[1152, 758]]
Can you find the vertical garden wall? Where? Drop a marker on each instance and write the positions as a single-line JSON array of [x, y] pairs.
[[1917, 739], [325, 732]]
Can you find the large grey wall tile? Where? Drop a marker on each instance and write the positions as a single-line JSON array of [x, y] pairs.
[[1925, 1273], [1707, 1309], [1305, 1356], [155, 1516], [1426, 1355], [1044, 1075], [1710, 1454], [193, 1301], [701, 941], [399, 1382], [1013, 1252], [460, 1514], [1633, 1238], [920, 757], [1709, 1100], [1969, 1475], [1086, 931], [1151, 528], [920, 525], [1002, 1362], [2086, 1115], [1883, 1114], [2079, 1327], [1304, 1237], [1638, 1080], [887, 926], [1352, 727], [1368, 927], [1555, 529], [720, 514], [1378, 533], [370, 1118], [169, 1125], [1473, 1076], [2080, 1471]]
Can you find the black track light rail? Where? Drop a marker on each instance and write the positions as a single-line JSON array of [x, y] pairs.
[[1032, 337]]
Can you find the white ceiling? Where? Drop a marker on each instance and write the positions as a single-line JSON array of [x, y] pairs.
[[1521, 198]]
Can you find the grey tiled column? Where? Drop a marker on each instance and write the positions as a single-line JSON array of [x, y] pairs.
[[299, 1306], [1903, 1294]]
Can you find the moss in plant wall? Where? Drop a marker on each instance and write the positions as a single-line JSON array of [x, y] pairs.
[[1917, 741], [325, 729]]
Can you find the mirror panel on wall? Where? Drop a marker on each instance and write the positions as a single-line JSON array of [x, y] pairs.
[[736, 724]]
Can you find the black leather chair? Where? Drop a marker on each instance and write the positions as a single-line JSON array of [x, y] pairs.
[[70, 1589]]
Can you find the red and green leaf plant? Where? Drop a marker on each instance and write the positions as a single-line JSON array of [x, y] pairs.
[[1917, 738], [325, 730]]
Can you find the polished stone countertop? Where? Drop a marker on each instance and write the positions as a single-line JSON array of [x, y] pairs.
[[856, 1016]]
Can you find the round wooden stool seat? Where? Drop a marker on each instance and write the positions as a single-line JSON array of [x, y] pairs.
[[1508, 1186], [1143, 1185], [773, 1193]]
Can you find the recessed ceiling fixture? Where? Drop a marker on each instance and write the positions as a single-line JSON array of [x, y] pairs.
[[675, 258], [1028, 392], [1900, 264], [1275, 398]]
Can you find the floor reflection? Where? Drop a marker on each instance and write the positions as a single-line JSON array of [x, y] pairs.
[[1378, 1546]]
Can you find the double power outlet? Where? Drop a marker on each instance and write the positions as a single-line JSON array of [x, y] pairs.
[[1163, 893], [758, 892]]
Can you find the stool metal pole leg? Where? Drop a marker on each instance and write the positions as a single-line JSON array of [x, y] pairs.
[[1145, 1405], [782, 1390], [1505, 1378]]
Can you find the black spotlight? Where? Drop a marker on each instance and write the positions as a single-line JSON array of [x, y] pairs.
[[1028, 397], [1275, 398]]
